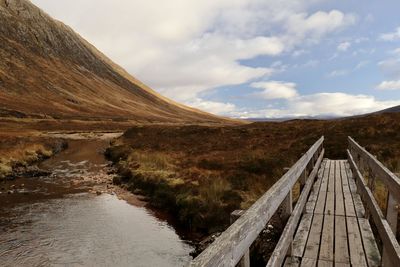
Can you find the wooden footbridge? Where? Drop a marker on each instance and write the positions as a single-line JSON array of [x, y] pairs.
[[336, 220]]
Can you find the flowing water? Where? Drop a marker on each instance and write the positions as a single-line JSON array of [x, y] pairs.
[[55, 221]]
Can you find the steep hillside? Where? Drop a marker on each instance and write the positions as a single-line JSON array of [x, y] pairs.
[[48, 71]]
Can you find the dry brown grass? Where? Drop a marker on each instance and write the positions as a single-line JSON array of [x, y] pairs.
[[214, 170]]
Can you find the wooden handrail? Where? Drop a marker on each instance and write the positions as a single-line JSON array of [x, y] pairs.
[[386, 225], [231, 245], [281, 249], [391, 246], [391, 181]]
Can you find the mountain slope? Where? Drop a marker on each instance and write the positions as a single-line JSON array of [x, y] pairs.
[[395, 109], [47, 70]]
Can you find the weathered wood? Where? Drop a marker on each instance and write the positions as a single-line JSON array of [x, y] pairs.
[[339, 197], [245, 260], [306, 262], [327, 243], [286, 208], [322, 263], [231, 245], [321, 200], [300, 239], [341, 245], [348, 198], [331, 180], [370, 246], [285, 241], [391, 181], [391, 217], [386, 234], [357, 256], [314, 237], [310, 206], [292, 262], [330, 203]]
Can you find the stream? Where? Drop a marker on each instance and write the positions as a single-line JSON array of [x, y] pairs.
[[76, 217]]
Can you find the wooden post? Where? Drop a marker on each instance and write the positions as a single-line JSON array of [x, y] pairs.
[[371, 185], [245, 261], [303, 179], [392, 213], [286, 211]]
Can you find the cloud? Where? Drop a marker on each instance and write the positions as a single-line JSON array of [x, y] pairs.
[[344, 46], [322, 104], [185, 48], [390, 68], [389, 85], [213, 106], [276, 89], [344, 72], [338, 73], [391, 36]]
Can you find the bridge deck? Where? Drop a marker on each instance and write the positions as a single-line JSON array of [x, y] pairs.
[[333, 230]]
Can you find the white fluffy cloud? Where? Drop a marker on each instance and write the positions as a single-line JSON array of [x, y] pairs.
[[389, 85], [391, 36], [183, 48], [276, 89], [325, 104], [214, 107], [344, 46]]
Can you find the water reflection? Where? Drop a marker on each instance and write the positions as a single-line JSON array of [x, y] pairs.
[[87, 230]]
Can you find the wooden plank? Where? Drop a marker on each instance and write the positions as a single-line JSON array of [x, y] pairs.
[[300, 239], [330, 204], [322, 263], [341, 245], [285, 241], [331, 180], [391, 181], [341, 264], [358, 205], [327, 239], [312, 200], [232, 244], [306, 262], [339, 199], [320, 205], [386, 234], [370, 246], [314, 237], [292, 262], [357, 256], [348, 199], [338, 179]]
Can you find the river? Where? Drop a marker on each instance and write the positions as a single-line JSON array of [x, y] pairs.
[[75, 217]]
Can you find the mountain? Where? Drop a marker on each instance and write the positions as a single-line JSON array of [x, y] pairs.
[[49, 71], [395, 109]]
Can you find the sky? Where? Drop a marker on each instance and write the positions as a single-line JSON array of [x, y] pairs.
[[251, 58]]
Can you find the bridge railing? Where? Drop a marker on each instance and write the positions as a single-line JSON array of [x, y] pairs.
[[232, 246], [364, 165]]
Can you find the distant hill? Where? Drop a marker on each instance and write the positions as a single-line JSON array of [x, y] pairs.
[[49, 71], [389, 110]]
